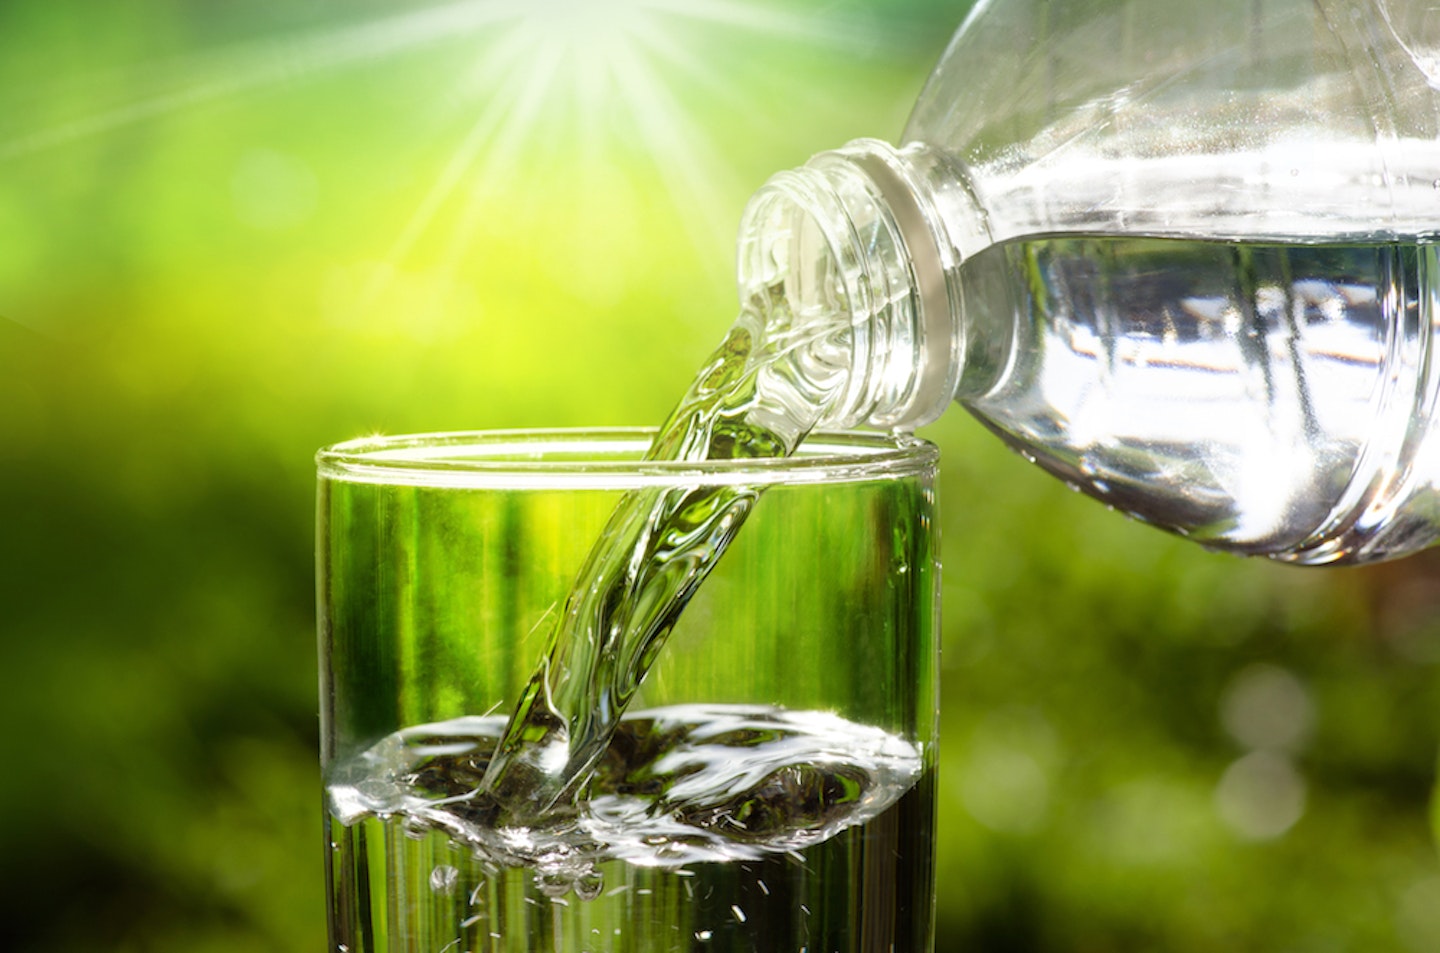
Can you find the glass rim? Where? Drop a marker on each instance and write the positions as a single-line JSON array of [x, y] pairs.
[[570, 458]]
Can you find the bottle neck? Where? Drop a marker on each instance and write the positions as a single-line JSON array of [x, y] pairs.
[[860, 240]]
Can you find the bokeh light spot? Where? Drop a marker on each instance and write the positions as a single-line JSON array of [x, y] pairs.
[[1417, 917], [1004, 782], [1266, 706], [1260, 796]]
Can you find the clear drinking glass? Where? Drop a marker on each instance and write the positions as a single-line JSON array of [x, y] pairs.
[[771, 787]]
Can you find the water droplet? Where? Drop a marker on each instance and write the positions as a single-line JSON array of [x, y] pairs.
[[739, 914], [1100, 486], [703, 935]]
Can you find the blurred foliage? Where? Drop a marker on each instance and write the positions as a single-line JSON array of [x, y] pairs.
[[232, 232]]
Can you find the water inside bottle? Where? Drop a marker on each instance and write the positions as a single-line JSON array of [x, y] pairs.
[[1262, 397]]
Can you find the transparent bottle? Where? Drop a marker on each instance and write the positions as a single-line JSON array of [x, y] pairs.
[[1181, 255]]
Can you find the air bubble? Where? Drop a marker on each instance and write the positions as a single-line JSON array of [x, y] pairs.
[[588, 886], [443, 878]]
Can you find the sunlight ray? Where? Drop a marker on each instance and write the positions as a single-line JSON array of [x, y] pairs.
[[510, 53], [683, 156], [609, 68], [681, 59], [541, 76], [485, 161], [833, 29], [494, 173], [260, 64], [768, 124], [496, 123], [590, 92], [461, 161]]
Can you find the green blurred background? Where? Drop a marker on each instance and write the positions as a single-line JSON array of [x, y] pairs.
[[231, 232]]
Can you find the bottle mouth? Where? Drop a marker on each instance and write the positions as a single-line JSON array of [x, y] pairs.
[[940, 335], [845, 239]]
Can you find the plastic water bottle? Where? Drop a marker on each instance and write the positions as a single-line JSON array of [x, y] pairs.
[[1181, 255]]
